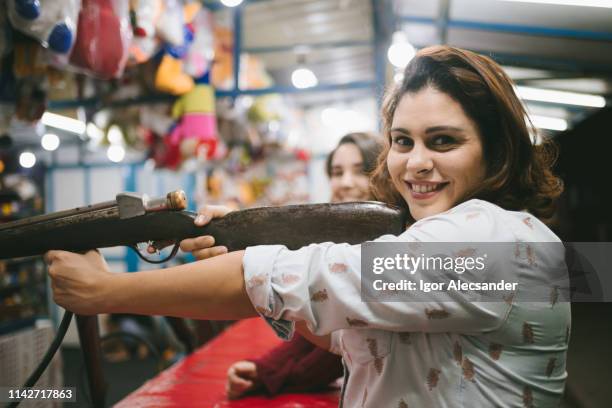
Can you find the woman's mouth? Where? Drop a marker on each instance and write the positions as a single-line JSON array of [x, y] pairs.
[[421, 191]]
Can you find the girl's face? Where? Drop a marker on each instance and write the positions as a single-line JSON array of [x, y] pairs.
[[436, 154], [348, 182]]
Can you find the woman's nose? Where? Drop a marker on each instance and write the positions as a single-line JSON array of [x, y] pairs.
[[419, 160], [348, 179]]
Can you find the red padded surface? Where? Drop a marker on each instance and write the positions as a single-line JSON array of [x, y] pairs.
[[199, 379]]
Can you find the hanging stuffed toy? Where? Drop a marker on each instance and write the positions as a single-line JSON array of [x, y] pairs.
[[170, 76], [202, 51], [103, 37], [51, 22], [196, 131], [144, 15]]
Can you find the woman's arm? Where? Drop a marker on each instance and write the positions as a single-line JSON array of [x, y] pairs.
[[208, 289]]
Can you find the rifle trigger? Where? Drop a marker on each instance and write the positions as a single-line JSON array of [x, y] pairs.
[[153, 261]]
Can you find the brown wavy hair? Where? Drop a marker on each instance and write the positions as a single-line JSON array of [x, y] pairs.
[[519, 172]]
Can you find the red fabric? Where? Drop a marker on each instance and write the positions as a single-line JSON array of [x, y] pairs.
[[297, 366], [99, 46], [199, 379]]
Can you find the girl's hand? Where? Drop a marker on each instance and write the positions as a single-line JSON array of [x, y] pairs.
[[202, 247], [241, 378], [80, 283]]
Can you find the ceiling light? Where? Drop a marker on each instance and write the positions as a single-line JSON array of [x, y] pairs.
[[27, 160], [231, 3], [547, 122], [50, 142], [63, 122], [303, 78], [115, 153], [401, 51], [584, 3], [562, 97]]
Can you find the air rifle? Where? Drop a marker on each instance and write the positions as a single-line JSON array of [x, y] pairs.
[[132, 219]]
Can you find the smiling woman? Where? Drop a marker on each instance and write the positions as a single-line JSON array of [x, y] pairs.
[[457, 127], [460, 160]]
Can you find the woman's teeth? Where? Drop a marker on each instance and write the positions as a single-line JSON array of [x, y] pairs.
[[420, 188]]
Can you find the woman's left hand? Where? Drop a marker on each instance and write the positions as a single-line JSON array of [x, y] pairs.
[[79, 282]]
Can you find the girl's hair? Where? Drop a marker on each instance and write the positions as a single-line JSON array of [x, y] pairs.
[[518, 174], [369, 144]]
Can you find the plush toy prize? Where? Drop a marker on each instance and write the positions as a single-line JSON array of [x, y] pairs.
[[196, 131], [51, 22]]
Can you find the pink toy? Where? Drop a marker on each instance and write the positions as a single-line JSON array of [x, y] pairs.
[[196, 131]]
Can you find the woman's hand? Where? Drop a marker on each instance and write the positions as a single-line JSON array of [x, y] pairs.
[[80, 283], [241, 378], [202, 247]]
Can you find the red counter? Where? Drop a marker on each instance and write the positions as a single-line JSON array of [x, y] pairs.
[[199, 379]]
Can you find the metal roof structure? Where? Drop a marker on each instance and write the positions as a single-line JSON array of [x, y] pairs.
[[344, 42]]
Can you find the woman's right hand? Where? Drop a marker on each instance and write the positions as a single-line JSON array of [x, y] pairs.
[[202, 247], [241, 378]]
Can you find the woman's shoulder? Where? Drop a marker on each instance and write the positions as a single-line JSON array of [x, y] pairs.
[[480, 220]]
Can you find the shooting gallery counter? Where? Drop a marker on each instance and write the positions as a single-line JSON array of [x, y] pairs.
[[199, 379]]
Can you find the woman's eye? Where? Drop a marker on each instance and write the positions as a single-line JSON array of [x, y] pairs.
[[443, 140], [401, 141]]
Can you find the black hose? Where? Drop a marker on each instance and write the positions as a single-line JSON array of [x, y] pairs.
[[61, 332]]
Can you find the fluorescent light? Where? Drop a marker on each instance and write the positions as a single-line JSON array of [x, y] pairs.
[[27, 160], [303, 78], [231, 3], [583, 3], [563, 97], [50, 142], [547, 122], [63, 122]]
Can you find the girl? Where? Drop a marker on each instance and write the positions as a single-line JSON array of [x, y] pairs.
[[298, 365], [460, 159]]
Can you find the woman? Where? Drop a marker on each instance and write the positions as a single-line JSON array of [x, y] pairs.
[[460, 158], [298, 365]]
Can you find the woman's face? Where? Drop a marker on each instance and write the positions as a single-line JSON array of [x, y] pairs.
[[348, 182], [436, 153]]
